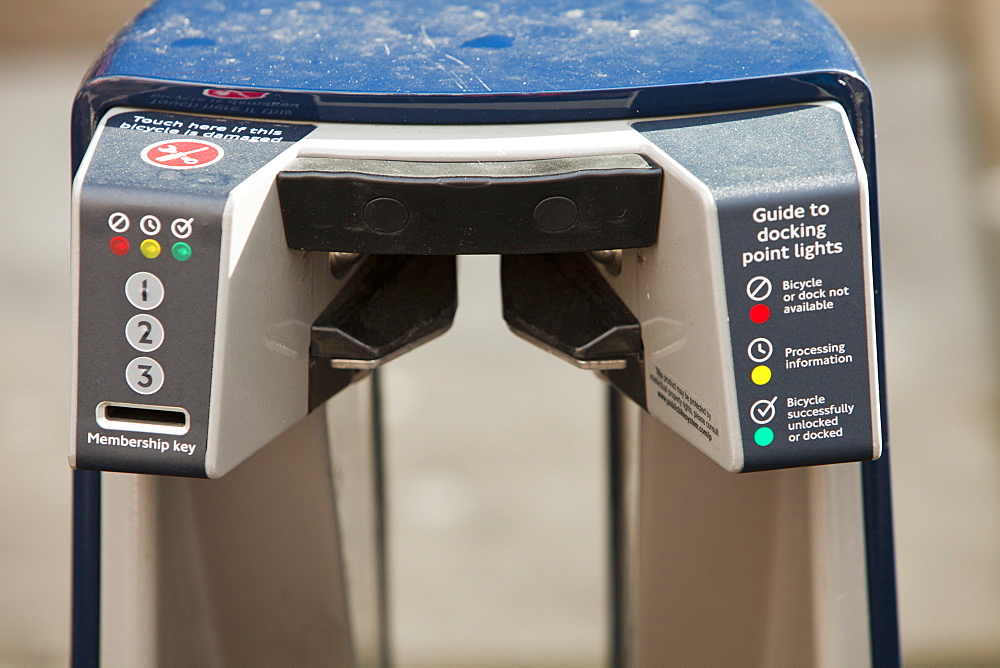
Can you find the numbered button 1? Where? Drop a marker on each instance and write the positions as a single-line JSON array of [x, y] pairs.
[[144, 375], [144, 290], [144, 333]]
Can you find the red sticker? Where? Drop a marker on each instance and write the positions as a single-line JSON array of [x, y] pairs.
[[182, 154], [227, 94]]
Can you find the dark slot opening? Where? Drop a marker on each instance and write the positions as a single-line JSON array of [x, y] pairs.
[[161, 416]]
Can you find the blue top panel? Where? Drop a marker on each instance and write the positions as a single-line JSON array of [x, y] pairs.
[[506, 61], [432, 47]]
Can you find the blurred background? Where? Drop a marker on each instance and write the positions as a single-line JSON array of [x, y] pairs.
[[487, 564]]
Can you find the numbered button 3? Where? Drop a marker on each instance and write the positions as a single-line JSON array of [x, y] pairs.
[[144, 375], [144, 333], [144, 290]]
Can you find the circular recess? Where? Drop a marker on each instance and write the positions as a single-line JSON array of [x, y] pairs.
[[555, 214], [386, 215]]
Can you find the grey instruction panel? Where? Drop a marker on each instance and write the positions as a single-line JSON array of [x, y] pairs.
[[149, 235], [796, 262], [752, 293]]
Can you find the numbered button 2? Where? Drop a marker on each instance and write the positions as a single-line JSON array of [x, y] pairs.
[[144, 333], [144, 375], [144, 290]]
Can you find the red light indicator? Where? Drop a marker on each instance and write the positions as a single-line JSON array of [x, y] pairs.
[[760, 313], [119, 245]]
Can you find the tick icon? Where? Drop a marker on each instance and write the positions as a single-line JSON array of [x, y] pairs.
[[763, 411], [760, 350], [182, 227]]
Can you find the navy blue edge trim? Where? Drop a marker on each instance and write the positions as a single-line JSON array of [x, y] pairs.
[[883, 610], [85, 606], [882, 604], [86, 597]]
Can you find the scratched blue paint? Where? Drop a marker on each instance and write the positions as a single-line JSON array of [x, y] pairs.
[[395, 46], [477, 61], [489, 42], [193, 42]]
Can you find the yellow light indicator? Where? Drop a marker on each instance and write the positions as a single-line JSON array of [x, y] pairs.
[[760, 375], [150, 248]]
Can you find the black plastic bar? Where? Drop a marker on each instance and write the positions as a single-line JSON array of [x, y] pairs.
[[450, 208]]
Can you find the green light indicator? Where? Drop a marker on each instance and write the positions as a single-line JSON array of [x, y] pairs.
[[763, 436], [181, 251]]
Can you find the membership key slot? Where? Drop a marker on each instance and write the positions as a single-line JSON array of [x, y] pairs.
[[141, 417]]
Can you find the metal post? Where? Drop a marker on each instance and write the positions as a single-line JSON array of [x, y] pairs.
[[278, 562]]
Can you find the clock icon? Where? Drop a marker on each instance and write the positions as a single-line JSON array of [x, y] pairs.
[[760, 350]]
